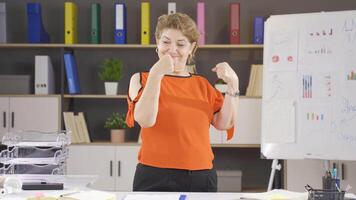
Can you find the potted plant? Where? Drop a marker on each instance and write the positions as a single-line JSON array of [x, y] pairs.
[[221, 85], [110, 73], [117, 125]]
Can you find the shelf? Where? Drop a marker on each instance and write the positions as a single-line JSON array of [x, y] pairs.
[[124, 46], [92, 96], [30, 95]]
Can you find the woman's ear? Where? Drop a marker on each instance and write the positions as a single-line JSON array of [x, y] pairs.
[[192, 48]]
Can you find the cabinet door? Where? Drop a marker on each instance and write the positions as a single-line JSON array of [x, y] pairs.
[[93, 160], [126, 161], [248, 122], [298, 173], [35, 113], [4, 115], [215, 135]]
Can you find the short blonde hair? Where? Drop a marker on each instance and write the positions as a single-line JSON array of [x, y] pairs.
[[181, 22]]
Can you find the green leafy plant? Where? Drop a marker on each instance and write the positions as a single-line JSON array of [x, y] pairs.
[[111, 70], [220, 81], [116, 121]]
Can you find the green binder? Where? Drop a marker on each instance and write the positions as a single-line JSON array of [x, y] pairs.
[[95, 37]]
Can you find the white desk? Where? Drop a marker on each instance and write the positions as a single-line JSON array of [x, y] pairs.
[[190, 195], [120, 195]]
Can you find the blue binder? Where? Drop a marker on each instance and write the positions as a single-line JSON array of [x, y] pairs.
[[36, 32], [258, 30], [120, 23], [72, 73]]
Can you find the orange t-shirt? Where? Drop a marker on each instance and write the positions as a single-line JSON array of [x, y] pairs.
[[180, 137]]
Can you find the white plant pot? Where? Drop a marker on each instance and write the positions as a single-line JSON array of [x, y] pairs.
[[221, 87], [111, 88]]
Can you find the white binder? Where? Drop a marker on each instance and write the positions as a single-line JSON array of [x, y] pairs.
[[171, 8], [44, 77], [3, 36]]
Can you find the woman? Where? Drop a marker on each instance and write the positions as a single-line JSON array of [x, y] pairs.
[[175, 109]]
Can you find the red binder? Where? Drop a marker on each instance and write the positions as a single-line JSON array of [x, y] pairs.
[[235, 23]]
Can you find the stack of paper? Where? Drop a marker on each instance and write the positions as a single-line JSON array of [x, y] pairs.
[[254, 87], [78, 126], [89, 195], [155, 197], [276, 194]]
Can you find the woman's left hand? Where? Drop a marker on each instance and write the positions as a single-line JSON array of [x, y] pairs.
[[227, 74]]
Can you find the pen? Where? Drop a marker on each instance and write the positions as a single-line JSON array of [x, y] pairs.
[[337, 187], [311, 87], [69, 193]]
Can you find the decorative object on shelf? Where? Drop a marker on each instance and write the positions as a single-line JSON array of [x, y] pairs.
[[258, 29], [77, 125], [95, 36], [15, 84], [36, 31], [145, 23], [235, 23], [221, 86], [71, 73], [3, 30], [120, 23], [111, 72], [201, 22], [254, 88], [44, 75], [171, 8], [70, 23], [117, 124]]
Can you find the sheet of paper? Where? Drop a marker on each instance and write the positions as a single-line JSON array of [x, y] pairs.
[[90, 195], [280, 85], [283, 50], [276, 194], [279, 125], [153, 196]]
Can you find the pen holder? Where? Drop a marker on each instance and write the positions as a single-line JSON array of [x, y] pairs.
[[331, 183], [324, 194]]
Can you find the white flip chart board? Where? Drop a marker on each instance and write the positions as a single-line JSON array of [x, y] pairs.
[[309, 86]]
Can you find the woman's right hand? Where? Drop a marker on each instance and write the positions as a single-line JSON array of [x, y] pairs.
[[162, 66]]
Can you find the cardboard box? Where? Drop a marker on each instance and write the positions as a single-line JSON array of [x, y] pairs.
[[15, 84], [229, 180]]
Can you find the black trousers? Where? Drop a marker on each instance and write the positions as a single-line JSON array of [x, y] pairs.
[[149, 178]]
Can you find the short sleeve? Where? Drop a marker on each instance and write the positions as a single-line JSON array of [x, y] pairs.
[[130, 120]]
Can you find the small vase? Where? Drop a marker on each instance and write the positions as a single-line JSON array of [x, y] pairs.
[[117, 135], [111, 88]]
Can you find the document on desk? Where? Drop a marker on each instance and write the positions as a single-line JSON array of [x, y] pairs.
[[155, 197], [88, 195], [276, 194]]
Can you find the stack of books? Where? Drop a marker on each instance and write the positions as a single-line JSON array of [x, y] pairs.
[[254, 87], [78, 126]]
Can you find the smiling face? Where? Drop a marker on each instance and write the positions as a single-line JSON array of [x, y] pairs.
[[172, 42]]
